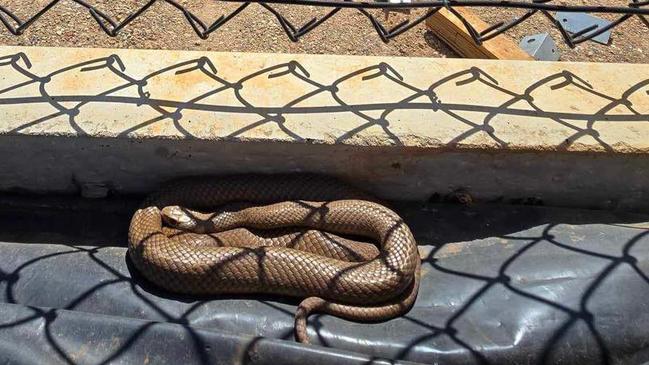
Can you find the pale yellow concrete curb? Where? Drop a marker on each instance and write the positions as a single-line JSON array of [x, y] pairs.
[[98, 120], [360, 101]]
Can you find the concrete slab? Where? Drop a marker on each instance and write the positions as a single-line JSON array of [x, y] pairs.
[[406, 128]]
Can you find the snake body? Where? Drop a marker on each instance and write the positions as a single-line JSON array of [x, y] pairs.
[[235, 250]]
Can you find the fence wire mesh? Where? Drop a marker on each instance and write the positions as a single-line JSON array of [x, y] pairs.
[[544, 8]]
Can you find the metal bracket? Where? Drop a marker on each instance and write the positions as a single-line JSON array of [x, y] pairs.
[[581, 23], [541, 46]]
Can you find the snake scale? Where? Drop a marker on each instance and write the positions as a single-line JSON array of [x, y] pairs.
[[296, 235]]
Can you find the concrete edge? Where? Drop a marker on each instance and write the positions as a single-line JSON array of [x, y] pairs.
[[443, 104]]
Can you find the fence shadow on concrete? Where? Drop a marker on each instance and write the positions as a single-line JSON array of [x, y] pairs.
[[322, 98]]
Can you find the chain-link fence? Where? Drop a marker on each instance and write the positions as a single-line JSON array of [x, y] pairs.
[[544, 8]]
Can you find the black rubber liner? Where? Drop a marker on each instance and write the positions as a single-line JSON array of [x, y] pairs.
[[501, 285]]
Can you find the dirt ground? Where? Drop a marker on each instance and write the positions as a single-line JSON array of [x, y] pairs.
[[257, 30]]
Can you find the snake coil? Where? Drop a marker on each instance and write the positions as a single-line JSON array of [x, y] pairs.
[[286, 235]]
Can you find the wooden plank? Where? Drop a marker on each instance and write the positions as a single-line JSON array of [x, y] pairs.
[[452, 31]]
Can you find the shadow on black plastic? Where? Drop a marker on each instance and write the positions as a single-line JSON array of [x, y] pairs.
[[500, 285]]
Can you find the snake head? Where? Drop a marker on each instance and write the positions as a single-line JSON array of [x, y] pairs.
[[177, 217]]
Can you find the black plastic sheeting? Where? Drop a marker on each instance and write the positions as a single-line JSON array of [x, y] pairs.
[[501, 284]]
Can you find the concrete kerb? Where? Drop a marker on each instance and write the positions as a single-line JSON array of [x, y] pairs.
[[96, 120]]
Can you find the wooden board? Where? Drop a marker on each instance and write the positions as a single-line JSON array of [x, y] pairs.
[[451, 31]]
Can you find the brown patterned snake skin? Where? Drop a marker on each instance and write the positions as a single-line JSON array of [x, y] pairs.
[[288, 243]]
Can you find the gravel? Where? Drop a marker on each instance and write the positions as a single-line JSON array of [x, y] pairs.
[[257, 30]]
